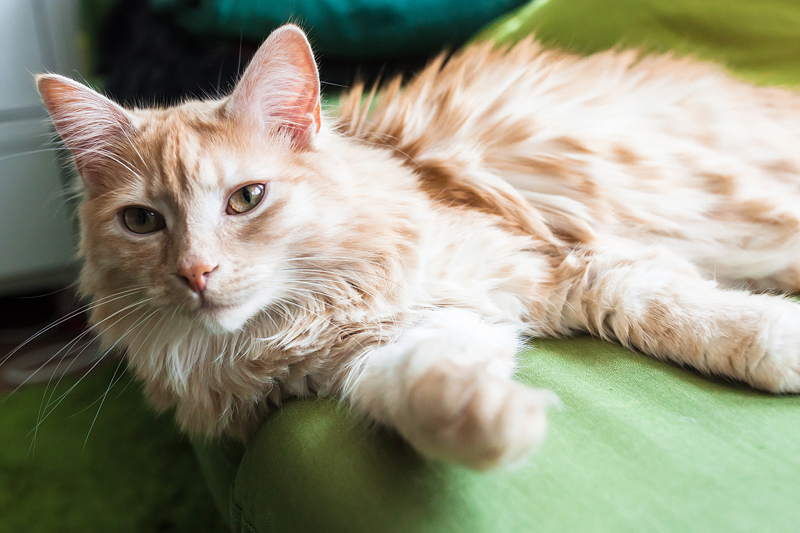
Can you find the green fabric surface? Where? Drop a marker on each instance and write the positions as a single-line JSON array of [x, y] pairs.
[[639, 445], [353, 29], [131, 473], [759, 40], [219, 463]]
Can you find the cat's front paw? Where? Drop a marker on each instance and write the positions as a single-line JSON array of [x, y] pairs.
[[778, 369], [461, 415]]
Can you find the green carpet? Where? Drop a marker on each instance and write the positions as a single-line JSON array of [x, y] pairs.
[[134, 472]]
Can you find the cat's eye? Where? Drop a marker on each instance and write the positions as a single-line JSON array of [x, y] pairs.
[[142, 220], [245, 199]]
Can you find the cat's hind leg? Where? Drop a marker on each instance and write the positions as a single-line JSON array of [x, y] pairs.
[[785, 280], [660, 304], [445, 385], [757, 245]]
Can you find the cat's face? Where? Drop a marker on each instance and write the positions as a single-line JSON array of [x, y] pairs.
[[205, 205], [203, 201]]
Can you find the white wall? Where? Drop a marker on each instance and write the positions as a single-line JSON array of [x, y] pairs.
[[37, 240]]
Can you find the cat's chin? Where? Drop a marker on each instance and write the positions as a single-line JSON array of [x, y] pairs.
[[221, 319]]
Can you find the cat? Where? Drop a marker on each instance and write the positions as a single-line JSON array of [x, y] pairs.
[[249, 249]]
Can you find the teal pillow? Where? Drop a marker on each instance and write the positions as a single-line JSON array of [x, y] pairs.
[[353, 29]]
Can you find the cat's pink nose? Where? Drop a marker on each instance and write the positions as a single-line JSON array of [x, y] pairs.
[[196, 275]]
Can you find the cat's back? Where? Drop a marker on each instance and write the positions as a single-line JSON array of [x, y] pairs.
[[487, 98], [613, 142]]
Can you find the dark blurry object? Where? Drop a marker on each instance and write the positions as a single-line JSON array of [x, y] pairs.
[[43, 335], [24, 311], [144, 56]]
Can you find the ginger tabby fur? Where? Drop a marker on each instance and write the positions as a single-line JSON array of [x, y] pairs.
[[403, 249]]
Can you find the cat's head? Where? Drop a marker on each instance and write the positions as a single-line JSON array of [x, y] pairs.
[[204, 206]]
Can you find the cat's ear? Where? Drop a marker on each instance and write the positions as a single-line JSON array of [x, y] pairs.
[[280, 87], [89, 123]]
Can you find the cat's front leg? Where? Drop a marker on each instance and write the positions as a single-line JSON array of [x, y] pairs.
[[446, 386], [661, 305]]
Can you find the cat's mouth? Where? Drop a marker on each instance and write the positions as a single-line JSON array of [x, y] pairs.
[[208, 306], [224, 315], [221, 317]]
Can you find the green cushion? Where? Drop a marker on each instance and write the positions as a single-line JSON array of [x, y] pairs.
[[638, 445]]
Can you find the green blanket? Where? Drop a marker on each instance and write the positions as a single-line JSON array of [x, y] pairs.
[[639, 445]]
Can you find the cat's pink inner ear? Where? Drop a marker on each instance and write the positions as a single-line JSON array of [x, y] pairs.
[[280, 88], [89, 123]]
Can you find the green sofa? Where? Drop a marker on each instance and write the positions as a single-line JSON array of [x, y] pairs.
[[639, 445]]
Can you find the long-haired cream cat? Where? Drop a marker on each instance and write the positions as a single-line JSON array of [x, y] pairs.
[[249, 249]]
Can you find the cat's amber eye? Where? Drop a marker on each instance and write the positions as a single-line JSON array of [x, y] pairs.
[[142, 220], [245, 199]]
